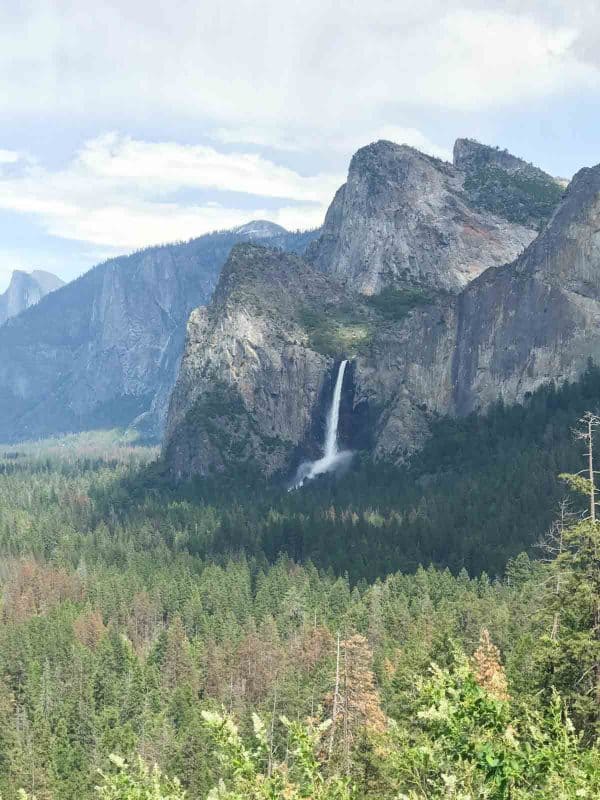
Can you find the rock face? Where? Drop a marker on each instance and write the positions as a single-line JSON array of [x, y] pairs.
[[406, 219], [104, 351], [25, 290], [512, 329], [249, 381]]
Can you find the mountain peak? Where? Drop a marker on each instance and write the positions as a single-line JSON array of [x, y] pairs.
[[26, 289], [254, 269], [402, 220], [260, 229], [47, 280], [469, 154], [381, 153], [567, 248]]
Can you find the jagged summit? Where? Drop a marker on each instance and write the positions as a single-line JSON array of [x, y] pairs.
[[402, 219], [264, 272], [512, 329], [380, 149], [25, 290], [469, 154]]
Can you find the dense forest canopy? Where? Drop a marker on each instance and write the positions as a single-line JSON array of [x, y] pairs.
[[394, 633]]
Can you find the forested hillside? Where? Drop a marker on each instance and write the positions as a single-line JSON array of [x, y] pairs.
[[483, 489], [300, 644]]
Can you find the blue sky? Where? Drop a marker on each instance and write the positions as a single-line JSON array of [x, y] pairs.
[[124, 124]]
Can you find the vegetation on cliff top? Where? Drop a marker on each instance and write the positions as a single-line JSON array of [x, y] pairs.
[[527, 197], [347, 330]]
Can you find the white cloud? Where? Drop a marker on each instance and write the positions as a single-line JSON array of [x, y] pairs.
[[263, 137], [346, 142], [482, 60], [298, 79], [168, 166], [278, 69], [117, 192], [8, 157]]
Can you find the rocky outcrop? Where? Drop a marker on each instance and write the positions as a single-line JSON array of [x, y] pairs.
[[250, 380], [25, 290], [406, 219], [104, 351], [512, 329], [500, 183]]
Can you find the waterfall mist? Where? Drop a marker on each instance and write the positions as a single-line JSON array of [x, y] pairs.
[[332, 457]]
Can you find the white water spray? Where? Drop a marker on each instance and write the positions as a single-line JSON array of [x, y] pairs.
[[333, 418], [332, 456]]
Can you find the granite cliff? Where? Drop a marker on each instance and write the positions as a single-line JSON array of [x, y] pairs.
[[406, 219], [250, 380], [511, 330], [414, 357], [402, 239]]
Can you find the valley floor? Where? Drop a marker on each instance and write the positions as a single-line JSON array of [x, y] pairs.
[[260, 644]]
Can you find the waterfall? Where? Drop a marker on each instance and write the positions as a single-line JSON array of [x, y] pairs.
[[332, 457], [330, 450]]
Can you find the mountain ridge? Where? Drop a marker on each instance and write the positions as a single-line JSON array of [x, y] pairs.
[[501, 183], [104, 350], [513, 329], [404, 219]]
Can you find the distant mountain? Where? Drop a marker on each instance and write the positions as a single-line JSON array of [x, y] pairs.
[[104, 350], [25, 290], [261, 229], [406, 219]]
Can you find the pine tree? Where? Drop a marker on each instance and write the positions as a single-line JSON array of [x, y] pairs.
[[570, 655], [8, 740], [178, 668]]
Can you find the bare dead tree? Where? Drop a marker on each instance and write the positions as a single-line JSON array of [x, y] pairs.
[[589, 422], [552, 546], [346, 713], [272, 727], [336, 697]]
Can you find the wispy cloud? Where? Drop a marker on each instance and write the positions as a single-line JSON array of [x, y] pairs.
[[288, 66], [344, 142], [117, 191]]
